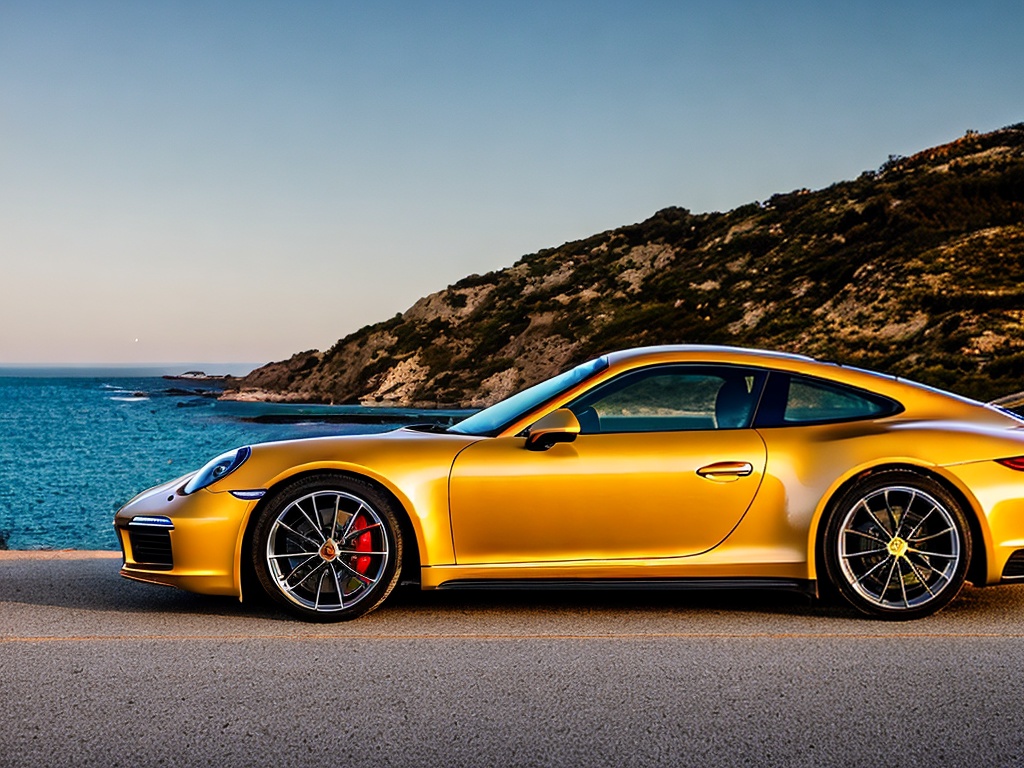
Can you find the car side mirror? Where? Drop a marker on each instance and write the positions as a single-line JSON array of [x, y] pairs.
[[559, 426]]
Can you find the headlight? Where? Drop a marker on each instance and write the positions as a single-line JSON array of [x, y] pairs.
[[214, 470]]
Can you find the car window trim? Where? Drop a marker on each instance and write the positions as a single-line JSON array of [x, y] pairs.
[[774, 398], [762, 374]]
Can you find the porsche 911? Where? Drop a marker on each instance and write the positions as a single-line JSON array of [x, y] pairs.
[[663, 467]]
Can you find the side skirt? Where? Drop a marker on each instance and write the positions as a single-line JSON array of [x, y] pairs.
[[802, 586]]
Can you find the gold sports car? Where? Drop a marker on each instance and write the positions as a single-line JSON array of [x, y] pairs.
[[663, 467]]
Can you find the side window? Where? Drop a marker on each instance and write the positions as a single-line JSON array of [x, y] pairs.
[[793, 400], [671, 398]]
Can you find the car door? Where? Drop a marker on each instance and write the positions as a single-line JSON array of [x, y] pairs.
[[665, 466]]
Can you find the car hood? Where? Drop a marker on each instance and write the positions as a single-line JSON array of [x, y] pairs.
[[387, 457]]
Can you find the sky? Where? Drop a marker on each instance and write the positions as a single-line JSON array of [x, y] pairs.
[[239, 180]]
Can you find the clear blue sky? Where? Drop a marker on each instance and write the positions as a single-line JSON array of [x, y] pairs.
[[236, 181]]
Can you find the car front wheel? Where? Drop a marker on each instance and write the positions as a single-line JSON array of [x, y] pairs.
[[327, 548], [897, 545]]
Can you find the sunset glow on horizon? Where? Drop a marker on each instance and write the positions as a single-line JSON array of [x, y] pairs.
[[242, 181]]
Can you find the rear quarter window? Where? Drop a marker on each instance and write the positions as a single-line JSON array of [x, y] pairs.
[[792, 400]]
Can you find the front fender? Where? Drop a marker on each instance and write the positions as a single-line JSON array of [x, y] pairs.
[[412, 466]]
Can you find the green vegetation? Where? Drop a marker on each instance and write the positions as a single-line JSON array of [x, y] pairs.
[[914, 269]]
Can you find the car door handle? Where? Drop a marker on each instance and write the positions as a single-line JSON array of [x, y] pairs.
[[725, 469]]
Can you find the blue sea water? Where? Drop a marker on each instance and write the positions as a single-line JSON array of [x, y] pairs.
[[74, 449]]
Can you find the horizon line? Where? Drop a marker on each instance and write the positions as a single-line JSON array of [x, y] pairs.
[[175, 368]]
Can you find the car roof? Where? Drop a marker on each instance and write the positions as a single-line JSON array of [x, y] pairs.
[[718, 352], [919, 400]]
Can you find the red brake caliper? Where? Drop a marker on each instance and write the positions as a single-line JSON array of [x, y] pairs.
[[363, 543]]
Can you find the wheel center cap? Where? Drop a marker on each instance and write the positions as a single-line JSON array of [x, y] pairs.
[[329, 550], [897, 547]]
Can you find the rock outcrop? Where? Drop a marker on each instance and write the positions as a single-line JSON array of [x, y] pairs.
[[915, 269]]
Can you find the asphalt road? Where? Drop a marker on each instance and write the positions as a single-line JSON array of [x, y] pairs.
[[96, 670]]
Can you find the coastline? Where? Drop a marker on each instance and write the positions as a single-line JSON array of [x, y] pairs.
[[259, 395], [281, 411], [118, 435]]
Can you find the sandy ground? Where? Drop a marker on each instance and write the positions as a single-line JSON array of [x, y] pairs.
[[57, 554]]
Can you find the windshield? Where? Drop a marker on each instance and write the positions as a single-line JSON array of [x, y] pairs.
[[491, 421]]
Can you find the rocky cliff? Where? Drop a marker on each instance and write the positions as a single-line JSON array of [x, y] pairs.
[[913, 269]]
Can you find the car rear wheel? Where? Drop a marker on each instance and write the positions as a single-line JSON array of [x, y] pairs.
[[327, 548], [897, 545]]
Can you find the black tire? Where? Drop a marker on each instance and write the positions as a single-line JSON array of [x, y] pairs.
[[897, 545], [327, 548]]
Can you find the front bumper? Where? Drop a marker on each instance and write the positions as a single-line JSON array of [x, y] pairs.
[[191, 542]]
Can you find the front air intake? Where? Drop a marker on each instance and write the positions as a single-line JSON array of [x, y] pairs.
[[1014, 568], [151, 545]]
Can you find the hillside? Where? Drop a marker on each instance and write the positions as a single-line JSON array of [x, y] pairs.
[[914, 269]]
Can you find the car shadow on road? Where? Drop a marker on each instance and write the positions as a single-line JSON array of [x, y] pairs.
[[612, 601], [95, 585]]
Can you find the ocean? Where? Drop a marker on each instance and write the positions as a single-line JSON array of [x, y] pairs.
[[75, 448]]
